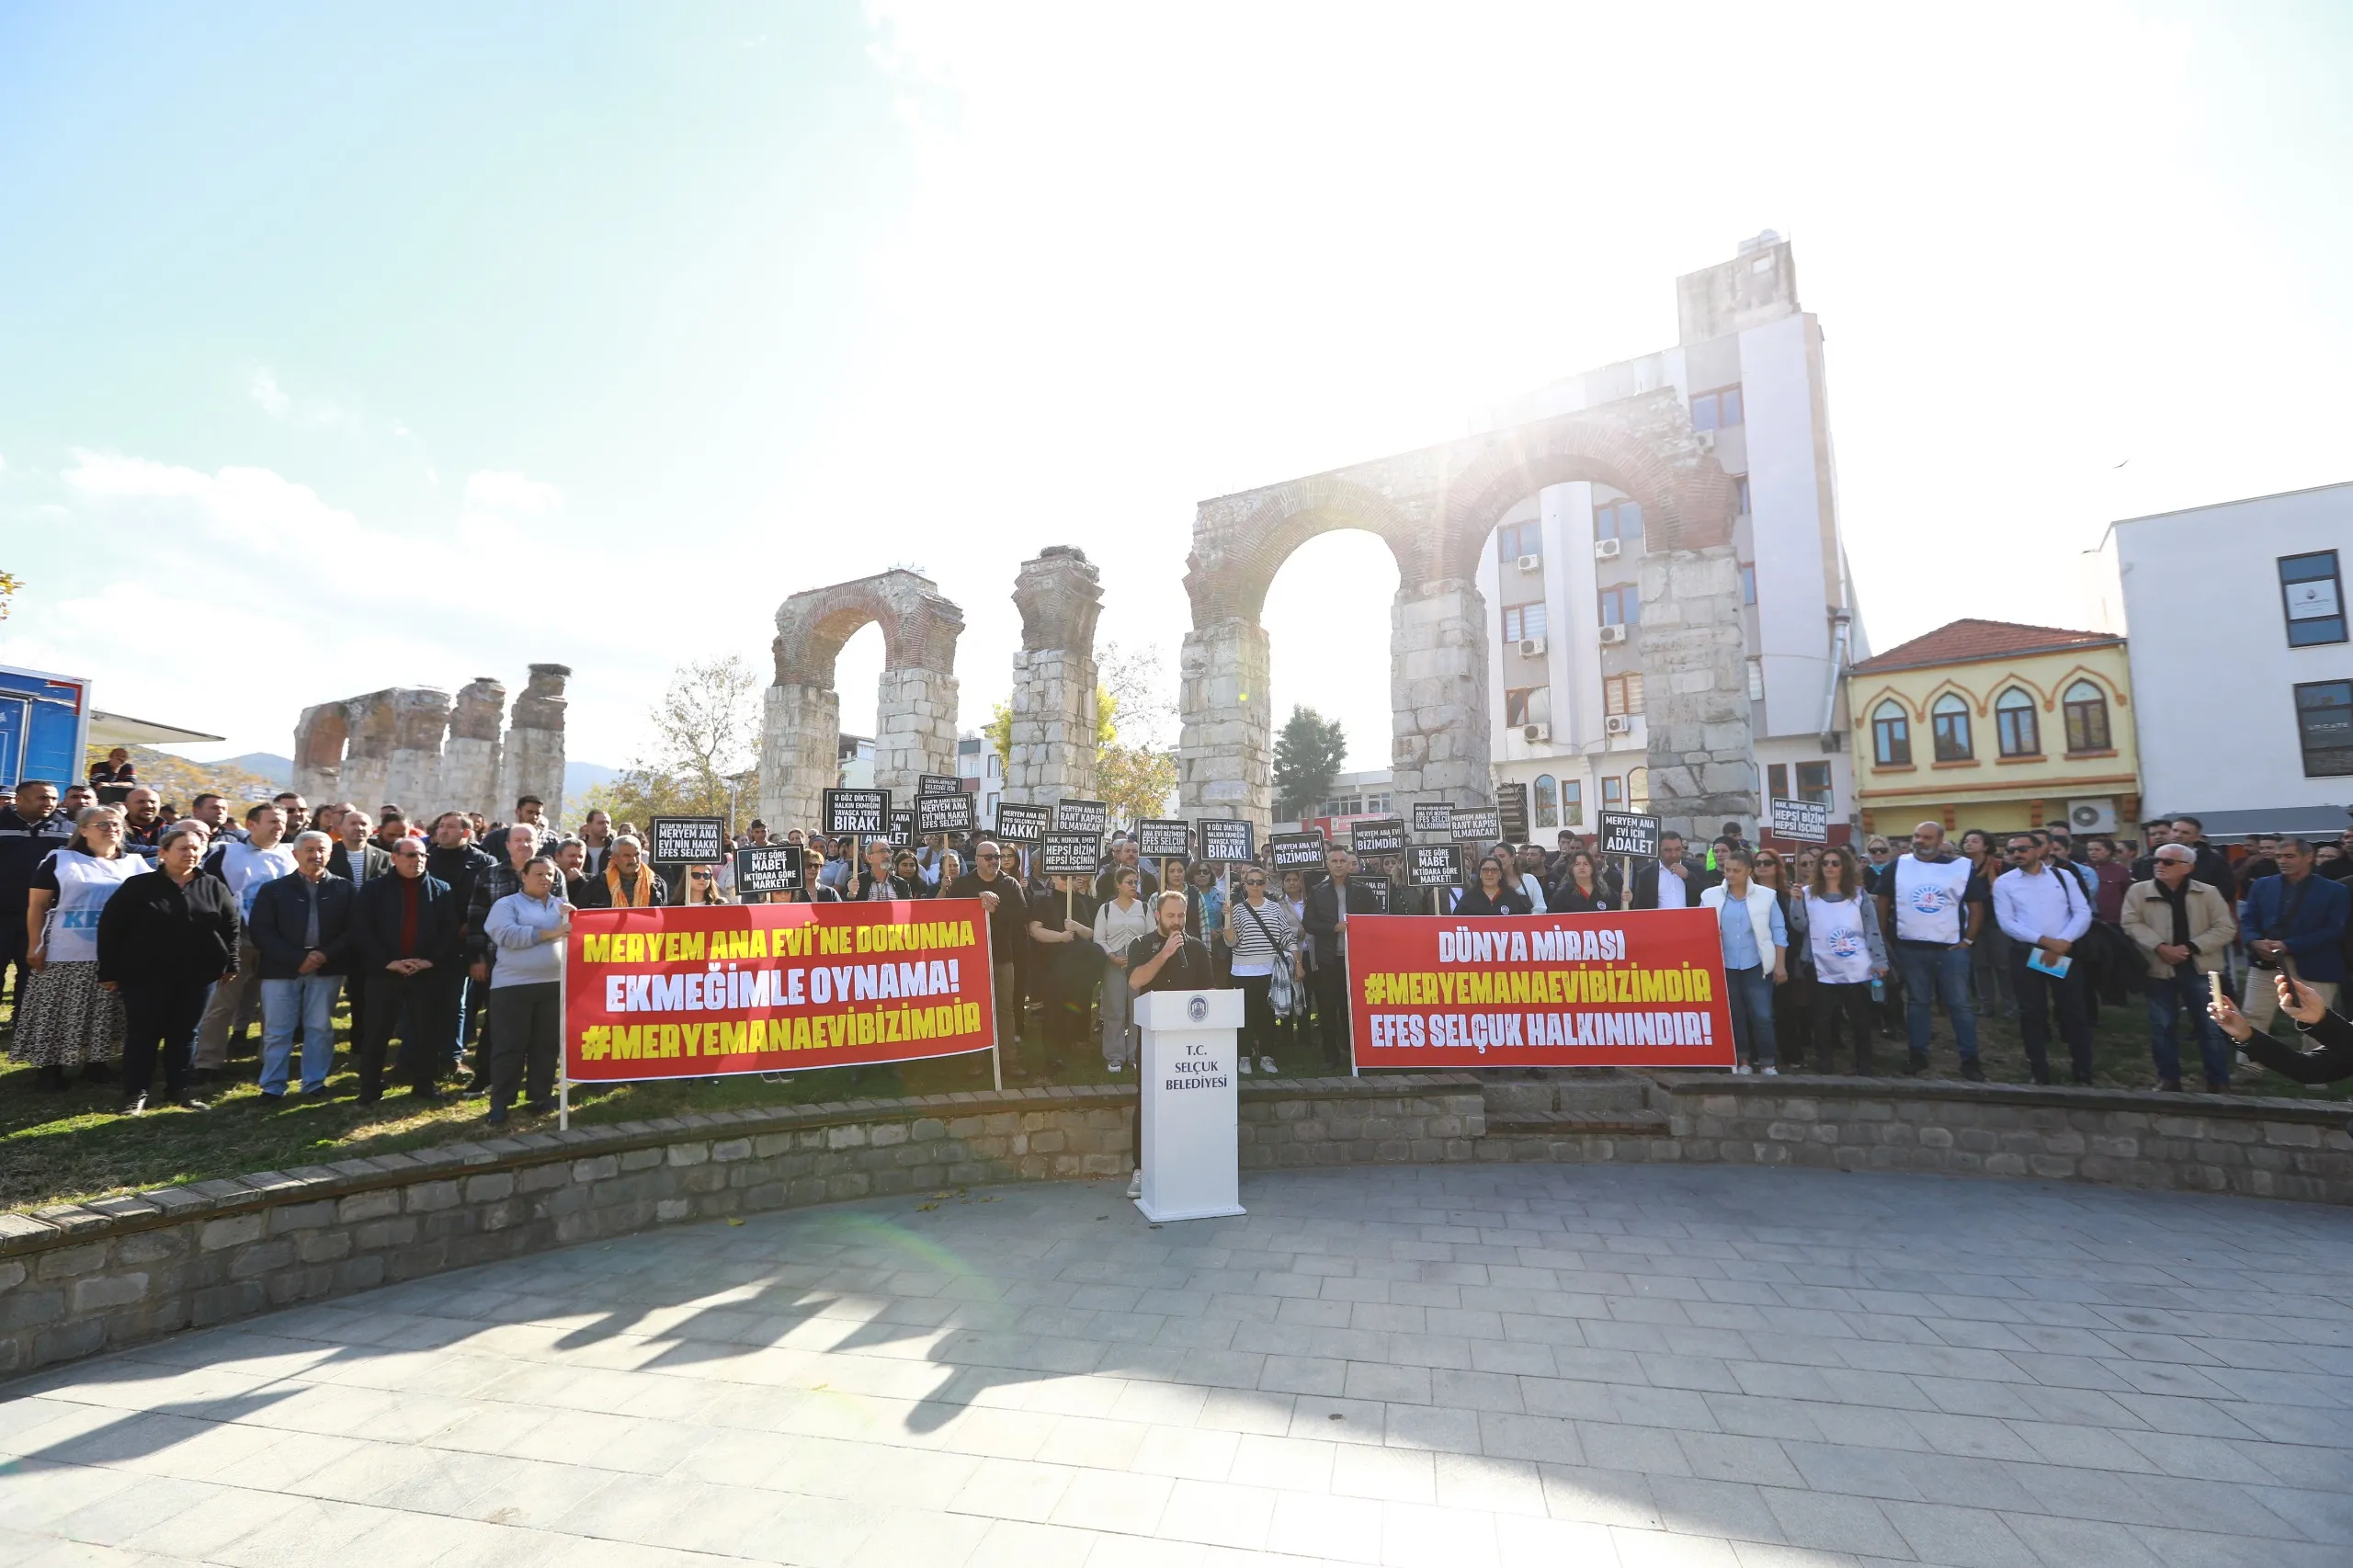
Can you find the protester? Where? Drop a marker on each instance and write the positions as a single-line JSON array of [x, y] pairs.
[[1835, 924], [64, 1018], [532, 813], [2183, 929], [1325, 919], [1008, 914], [1494, 892], [2295, 917], [878, 884], [838, 873], [1670, 881], [1527, 869], [1124, 851], [2045, 912], [143, 821], [31, 827], [1121, 921], [1582, 890], [1756, 941], [1302, 1003], [1265, 945], [115, 769], [701, 886], [1064, 964], [908, 870], [1935, 902], [811, 889], [627, 882], [246, 866], [301, 927], [946, 870], [597, 841], [1989, 953], [411, 930], [1167, 960], [526, 928], [2109, 877], [391, 829], [2214, 865], [2328, 1029], [78, 798], [1793, 999], [164, 939]]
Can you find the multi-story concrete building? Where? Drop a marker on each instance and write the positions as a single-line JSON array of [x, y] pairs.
[[982, 772], [1566, 677], [2241, 662]]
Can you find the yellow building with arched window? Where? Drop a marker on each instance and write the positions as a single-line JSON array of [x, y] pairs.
[[1987, 723]]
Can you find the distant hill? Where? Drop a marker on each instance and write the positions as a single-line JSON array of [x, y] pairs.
[[579, 778], [278, 771], [178, 781]]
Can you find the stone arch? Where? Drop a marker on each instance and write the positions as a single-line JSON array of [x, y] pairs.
[[319, 737], [1234, 558], [915, 698]]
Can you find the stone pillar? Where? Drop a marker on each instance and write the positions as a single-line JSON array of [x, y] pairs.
[[914, 722], [413, 768], [1060, 594], [368, 762], [532, 763], [1438, 695], [1695, 685], [318, 738], [1225, 753], [799, 755], [469, 780]]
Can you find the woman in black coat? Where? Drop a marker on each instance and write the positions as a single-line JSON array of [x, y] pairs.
[[164, 938], [1582, 888], [1495, 894]]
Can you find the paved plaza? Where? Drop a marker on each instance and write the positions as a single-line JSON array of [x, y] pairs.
[[1443, 1366]]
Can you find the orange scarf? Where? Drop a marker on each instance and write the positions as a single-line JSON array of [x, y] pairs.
[[641, 893]]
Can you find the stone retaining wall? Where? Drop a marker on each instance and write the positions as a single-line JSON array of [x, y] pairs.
[[77, 1278]]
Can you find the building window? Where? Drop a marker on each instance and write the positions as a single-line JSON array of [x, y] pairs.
[[1515, 540], [1618, 520], [1613, 794], [2014, 724], [2314, 596], [1949, 718], [1718, 410], [1813, 782], [2086, 708], [1756, 680], [1621, 606], [1638, 789], [1740, 492], [1523, 621], [2325, 725], [1891, 735], [1777, 781], [1622, 694], [1528, 705], [1377, 804], [1572, 804], [1548, 800], [1748, 582]]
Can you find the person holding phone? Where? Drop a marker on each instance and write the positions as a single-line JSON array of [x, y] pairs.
[[2295, 922], [2328, 1030]]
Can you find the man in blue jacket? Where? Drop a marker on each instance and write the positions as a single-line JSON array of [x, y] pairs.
[[2294, 917], [409, 925], [302, 930]]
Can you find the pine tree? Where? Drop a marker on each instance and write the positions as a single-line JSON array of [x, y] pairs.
[[1308, 755]]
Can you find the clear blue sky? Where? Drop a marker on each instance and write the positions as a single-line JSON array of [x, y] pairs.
[[349, 348]]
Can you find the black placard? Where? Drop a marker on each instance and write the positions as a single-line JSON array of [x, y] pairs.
[[1628, 833], [1302, 850], [1226, 839], [1434, 816], [1082, 817], [768, 868], [1377, 837], [1807, 821], [1434, 866], [1164, 839], [865, 812], [902, 829], [945, 813], [1377, 886], [938, 784], [1021, 825], [687, 841], [1477, 825], [1071, 854]]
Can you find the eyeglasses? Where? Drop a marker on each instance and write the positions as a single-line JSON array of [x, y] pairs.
[[990, 857], [1254, 881], [699, 876]]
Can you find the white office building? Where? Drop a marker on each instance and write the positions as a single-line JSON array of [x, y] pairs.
[[1565, 669], [2242, 669]]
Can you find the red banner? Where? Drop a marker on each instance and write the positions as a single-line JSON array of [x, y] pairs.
[[1643, 989], [694, 992]]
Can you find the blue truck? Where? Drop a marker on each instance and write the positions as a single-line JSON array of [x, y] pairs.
[[44, 726]]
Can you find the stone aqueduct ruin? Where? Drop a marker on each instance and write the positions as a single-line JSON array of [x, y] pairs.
[[1435, 508]]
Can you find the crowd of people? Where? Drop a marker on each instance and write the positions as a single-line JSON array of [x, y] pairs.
[[149, 943]]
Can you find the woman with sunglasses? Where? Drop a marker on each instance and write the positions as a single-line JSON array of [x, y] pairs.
[[1259, 933], [702, 886]]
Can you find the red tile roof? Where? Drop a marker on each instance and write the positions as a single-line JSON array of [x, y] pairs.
[[1965, 642]]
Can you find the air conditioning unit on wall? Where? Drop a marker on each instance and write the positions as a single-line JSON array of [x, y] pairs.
[[1618, 724], [1707, 439], [1607, 549], [2092, 816], [1534, 733], [1612, 634], [1532, 647], [1532, 563]]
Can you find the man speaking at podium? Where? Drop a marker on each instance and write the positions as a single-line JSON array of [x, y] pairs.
[[1167, 960]]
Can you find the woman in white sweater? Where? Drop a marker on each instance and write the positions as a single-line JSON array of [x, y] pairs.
[[528, 929], [1118, 923]]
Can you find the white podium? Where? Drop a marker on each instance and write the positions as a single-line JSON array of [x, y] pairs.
[[1191, 1155]]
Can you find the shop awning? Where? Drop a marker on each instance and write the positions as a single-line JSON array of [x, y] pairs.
[[110, 730]]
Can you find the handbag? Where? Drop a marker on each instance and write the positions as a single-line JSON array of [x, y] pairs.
[[1280, 991]]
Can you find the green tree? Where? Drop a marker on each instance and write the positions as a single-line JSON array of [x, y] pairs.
[[1308, 757], [702, 759]]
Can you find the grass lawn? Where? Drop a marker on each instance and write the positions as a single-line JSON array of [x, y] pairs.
[[73, 1145]]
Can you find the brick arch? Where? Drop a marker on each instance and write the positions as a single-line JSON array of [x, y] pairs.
[[919, 627], [1233, 563]]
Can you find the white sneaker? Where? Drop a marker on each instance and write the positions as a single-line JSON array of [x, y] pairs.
[[1739, 1069], [1115, 1066], [1245, 1064], [1770, 1072], [1135, 1185], [1266, 1064]]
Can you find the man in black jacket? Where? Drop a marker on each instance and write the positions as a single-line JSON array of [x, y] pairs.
[[302, 931], [455, 859], [1325, 917], [164, 938], [409, 931], [1008, 914], [1689, 879], [2213, 867], [31, 830]]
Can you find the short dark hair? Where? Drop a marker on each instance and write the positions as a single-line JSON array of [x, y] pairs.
[[286, 795], [253, 811], [35, 783], [200, 799], [2185, 816], [1740, 857], [1670, 832], [522, 801]]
